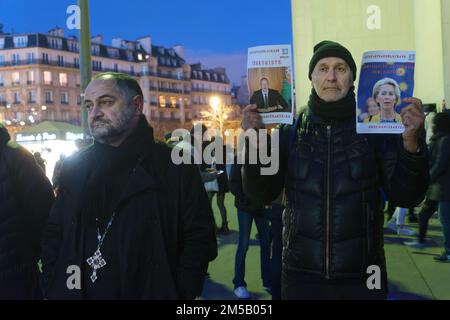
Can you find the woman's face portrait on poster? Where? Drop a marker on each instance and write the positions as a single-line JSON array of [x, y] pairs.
[[386, 93]]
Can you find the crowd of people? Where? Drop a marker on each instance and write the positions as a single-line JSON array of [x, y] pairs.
[[122, 221]]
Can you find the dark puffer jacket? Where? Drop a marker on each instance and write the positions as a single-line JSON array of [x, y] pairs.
[[333, 177], [26, 198]]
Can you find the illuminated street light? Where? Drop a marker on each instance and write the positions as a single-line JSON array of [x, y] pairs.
[[22, 123], [214, 103], [44, 108], [8, 106], [8, 122]]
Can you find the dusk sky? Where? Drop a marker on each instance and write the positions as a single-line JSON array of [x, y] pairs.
[[217, 33]]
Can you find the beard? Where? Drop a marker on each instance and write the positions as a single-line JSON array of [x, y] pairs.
[[104, 130]]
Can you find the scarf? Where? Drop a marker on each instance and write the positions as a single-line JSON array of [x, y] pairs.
[[110, 172], [341, 110]]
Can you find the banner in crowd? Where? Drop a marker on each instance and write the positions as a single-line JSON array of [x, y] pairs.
[[270, 82], [386, 78]]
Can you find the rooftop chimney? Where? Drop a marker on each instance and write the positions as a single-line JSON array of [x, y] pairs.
[[117, 43], [146, 44], [58, 32], [98, 39], [179, 49]]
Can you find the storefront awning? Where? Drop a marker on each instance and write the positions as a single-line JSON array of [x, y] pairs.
[[50, 130]]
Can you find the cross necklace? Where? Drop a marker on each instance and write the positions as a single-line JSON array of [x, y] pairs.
[[96, 261]]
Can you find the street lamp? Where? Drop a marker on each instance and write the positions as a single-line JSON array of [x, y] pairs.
[[216, 105]]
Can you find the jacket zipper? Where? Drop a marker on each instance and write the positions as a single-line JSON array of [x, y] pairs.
[[328, 213]]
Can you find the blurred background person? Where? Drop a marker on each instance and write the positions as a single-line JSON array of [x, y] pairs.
[[26, 199]]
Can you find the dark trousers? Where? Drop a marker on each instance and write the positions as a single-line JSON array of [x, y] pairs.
[[428, 209], [274, 214], [301, 286], [245, 220], [444, 215]]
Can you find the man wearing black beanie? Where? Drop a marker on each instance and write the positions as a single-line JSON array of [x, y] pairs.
[[333, 235]]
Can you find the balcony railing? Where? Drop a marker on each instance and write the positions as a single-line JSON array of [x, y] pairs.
[[210, 91], [169, 76], [171, 90]]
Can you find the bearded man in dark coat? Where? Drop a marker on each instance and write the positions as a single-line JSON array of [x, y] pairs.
[[127, 222]]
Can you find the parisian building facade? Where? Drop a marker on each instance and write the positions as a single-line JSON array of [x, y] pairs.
[[40, 78]]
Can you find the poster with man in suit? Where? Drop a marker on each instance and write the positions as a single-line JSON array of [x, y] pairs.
[[270, 83]]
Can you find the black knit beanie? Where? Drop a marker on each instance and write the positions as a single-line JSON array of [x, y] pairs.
[[327, 49]]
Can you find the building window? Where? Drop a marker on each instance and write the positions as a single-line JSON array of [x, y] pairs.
[[64, 98], [95, 50], [2, 43], [1, 80], [51, 115], [49, 96], [15, 78], [65, 116], [30, 57], [162, 101], [48, 78], [55, 43], [116, 67], [63, 79], [32, 97], [30, 77], [144, 70], [16, 97], [130, 56], [73, 47], [78, 99], [113, 53], [76, 62], [173, 102], [45, 58], [2, 60], [15, 59], [61, 61], [20, 42], [97, 65], [132, 70], [2, 99]]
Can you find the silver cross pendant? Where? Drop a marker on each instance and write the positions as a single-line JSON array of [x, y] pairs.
[[96, 262]]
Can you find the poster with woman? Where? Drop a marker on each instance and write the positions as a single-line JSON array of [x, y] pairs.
[[386, 78], [270, 82]]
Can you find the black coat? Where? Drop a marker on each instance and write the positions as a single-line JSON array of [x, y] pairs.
[[164, 229], [26, 197], [275, 99], [333, 176], [440, 167]]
